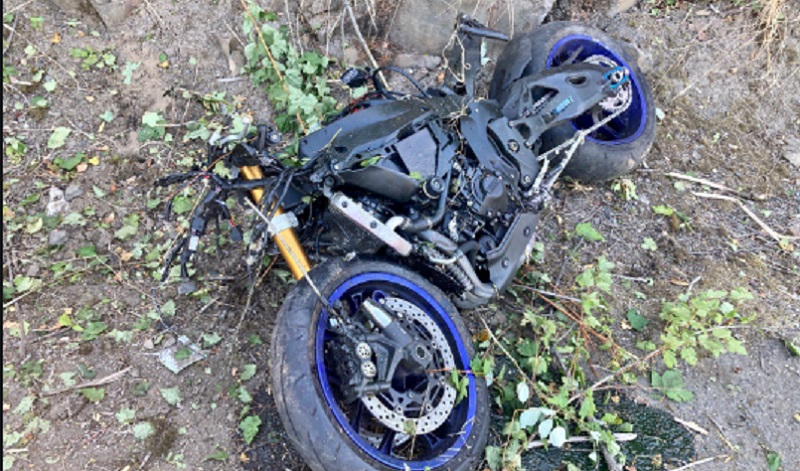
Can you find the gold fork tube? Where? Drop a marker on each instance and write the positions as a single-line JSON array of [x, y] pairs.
[[286, 240]]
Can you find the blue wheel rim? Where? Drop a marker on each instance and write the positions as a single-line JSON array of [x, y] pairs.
[[442, 449], [630, 124]]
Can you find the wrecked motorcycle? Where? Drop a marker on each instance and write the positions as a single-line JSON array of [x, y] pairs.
[[412, 205]]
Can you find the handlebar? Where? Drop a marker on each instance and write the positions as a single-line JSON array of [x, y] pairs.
[[483, 32]]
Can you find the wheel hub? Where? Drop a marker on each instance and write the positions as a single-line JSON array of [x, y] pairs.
[[417, 404]]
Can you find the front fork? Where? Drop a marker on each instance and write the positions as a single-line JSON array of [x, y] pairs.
[[286, 239]]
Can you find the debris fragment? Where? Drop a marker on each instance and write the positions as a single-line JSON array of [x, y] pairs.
[[181, 355]]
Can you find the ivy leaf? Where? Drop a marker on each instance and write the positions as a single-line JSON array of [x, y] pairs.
[[25, 405], [774, 461], [107, 116], [558, 437], [248, 371], [530, 417], [183, 353], [545, 427], [689, 355], [125, 415], [58, 137], [740, 294], [93, 330], [649, 244], [494, 457], [672, 385], [244, 395], [142, 430], [181, 205], [171, 395], [588, 232], [151, 118], [249, 427], [209, 340], [636, 320], [219, 455], [587, 407], [93, 394], [663, 210], [523, 392], [129, 229]]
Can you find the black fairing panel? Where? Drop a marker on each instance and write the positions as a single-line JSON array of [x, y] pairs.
[[387, 148], [363, 131]]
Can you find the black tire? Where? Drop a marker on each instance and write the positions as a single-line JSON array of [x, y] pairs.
[[304, 411], [594, 160]]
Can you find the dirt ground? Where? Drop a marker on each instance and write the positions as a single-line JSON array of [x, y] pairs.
[[731, 115]]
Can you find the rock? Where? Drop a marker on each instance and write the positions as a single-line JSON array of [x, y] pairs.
[[73, 191], [109, 13], [643, 58], [792, 152], [32, 271], [417, 61], [114, 12], [101, 238], [619, 6], [168, 341], [57, 203], [794, 229], [351, 55], [233, 53], [148, 344], [57, 237], [426, 27]]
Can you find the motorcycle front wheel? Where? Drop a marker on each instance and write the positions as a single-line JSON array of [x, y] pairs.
[[390, 430], [615, 148]]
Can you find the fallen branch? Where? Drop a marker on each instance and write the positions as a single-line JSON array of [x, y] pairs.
[[691, 426], [89, 384], [547, 293], [698, 463], [612, 463], [618, 372], [718, 186], [619, 437], [775, 235], [372, 60]]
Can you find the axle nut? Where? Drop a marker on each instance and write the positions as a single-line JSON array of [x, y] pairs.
[[368, 369], [363, 350]]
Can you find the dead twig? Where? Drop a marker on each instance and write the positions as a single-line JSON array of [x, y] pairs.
[[154, 13], [613, 375], [349, 8], [612, 463], [547, 293], [11, 35], [691, 426], [89, 384], [721, 434], [775, 235], [698, 463], [718, 186], [23, 336]]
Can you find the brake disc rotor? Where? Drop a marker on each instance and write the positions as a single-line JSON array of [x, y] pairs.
[[420, 412], [622, 98]]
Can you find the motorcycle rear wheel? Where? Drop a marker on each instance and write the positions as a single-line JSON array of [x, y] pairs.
[[331, 435], [613, 150]]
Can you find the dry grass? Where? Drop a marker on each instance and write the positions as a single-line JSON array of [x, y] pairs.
[[773, 23]]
